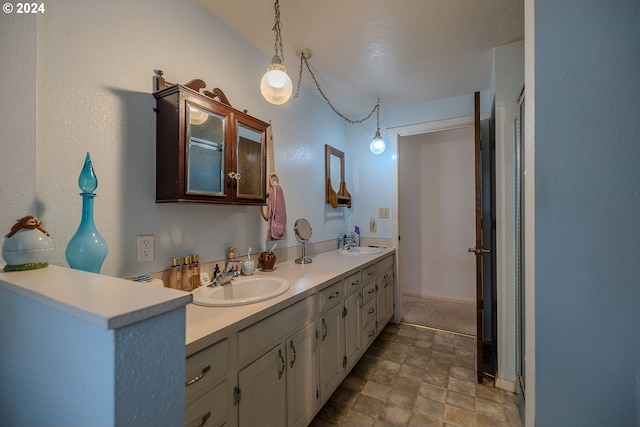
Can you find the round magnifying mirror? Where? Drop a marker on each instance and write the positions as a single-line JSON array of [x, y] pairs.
[[302, 230]]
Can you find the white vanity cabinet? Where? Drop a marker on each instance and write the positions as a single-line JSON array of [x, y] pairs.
[[277, 382], [209, 386], [280, 370]]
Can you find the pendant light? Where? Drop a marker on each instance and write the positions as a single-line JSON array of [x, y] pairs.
[[276, 86], [377, 145]]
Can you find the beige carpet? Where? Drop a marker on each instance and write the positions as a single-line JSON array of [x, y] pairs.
[[459, 317]]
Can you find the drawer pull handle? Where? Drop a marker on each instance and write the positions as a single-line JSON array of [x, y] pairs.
[[293, 353], [371, 310], [357, 282], [336, 295], [324, 329], [282, 364], [205, 417], [199, 377], [372, 333], [372, 290], [371, 273]]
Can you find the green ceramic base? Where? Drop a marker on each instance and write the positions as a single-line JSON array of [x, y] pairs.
[[25, 267]]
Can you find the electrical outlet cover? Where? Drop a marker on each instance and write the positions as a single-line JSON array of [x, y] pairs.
[[145, 248]]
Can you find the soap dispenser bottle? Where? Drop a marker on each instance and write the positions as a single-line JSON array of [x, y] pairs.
[[195, 266], [175, 275], [187, 272]]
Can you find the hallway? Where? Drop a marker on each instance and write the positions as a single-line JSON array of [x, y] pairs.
[[414, 376]]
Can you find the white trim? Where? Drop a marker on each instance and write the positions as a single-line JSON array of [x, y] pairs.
[[505, 385]]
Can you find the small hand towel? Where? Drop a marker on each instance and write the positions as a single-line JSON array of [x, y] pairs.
[[276, 214]]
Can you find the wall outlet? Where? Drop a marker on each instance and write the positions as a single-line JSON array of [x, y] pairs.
[[373, 225], [145, 248], [383, 213]]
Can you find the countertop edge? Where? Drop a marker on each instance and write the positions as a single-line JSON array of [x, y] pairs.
[[104, 301]]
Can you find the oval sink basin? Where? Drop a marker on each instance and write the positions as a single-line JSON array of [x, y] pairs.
[[241, 291], [361, 250]]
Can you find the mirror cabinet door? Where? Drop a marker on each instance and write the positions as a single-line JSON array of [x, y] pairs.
[[250, 155], [205, 152]]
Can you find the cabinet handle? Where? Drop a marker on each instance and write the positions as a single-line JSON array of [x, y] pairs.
[[293, 353], [324, 330], [234, 175], [371, 310], [371, 273], [205, 417], [282, 364], [357, 282], [336, 295], [372, 290], [199, 377], [372, 333]]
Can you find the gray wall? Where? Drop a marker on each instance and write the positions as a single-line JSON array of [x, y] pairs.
[[587, 222]]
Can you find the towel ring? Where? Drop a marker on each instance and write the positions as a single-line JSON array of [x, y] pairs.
[[272, 177]]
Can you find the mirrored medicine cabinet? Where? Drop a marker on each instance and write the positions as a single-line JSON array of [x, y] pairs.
[[206, 150]]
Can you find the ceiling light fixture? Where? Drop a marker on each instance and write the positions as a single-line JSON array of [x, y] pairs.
[[377, 145], [276, 86]]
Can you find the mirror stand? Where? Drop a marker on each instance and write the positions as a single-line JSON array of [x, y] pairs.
[[302, 230]]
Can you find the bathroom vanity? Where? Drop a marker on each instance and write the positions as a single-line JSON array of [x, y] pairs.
[[276, 362]]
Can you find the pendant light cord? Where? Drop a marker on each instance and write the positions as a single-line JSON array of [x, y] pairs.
[[277, 29], [376, 109]]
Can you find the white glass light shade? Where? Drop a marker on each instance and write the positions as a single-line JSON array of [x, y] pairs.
[[197, 117], [276, 86], [377, 145]]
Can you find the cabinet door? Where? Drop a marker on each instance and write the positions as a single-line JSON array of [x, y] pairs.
[[302, 376], [388, 295], [248, 173], [331, 349], [205, 156], [353, 329], [263, 391]]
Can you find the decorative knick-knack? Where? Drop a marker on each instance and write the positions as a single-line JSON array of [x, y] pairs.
[[87, 249]]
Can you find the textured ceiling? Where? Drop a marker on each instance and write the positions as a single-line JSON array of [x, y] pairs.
[[403, 51]]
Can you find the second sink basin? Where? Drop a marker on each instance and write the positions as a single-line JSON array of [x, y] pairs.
[[244, 290], [361, 250]]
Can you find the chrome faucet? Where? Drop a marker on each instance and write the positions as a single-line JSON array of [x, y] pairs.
[[230, 272], [224, 278]]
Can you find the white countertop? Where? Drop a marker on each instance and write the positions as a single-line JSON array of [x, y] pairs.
[[207, 325], [107, 302]]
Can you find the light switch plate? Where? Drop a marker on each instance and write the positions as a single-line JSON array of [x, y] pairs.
[[383, 213]]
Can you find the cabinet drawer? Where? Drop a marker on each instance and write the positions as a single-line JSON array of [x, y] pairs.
[[206, 368], [329, 297], [353, 283], [369, 273], [259, 338], [211, 409], [369, 292], [368, 313], [384, 265], [369, 334]]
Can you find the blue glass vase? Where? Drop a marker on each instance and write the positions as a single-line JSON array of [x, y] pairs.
[[87, 249]]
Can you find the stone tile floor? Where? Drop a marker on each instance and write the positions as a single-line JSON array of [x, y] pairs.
[[413, 376]]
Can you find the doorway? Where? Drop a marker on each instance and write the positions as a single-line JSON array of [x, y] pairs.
[[437, 216]]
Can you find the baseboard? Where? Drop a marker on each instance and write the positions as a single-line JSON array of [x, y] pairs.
[[505, 385], [434, 297]]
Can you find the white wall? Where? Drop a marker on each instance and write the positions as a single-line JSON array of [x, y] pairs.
[[94, 81], [437, 179]]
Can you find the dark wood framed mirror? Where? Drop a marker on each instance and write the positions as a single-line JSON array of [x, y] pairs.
[[336, 187]]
